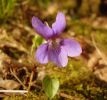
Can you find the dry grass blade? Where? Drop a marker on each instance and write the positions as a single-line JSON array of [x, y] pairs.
[[18, 79], [101, 54]]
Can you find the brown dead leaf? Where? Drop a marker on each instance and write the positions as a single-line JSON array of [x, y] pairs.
[[9, 84], [101, 73]]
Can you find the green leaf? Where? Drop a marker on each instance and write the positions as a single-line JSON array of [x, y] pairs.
[[51, 86], [37, 40]]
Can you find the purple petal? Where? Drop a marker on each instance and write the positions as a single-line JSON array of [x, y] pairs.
[[59, 24], [42, 53], [72, 47], [42, 29], [58, 56]]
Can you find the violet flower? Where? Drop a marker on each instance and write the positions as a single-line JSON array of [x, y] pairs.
[[56, 49]]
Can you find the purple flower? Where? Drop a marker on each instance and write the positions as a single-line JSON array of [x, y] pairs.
[[56, 49]]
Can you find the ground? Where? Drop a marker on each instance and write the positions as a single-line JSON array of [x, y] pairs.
[[84, 78]]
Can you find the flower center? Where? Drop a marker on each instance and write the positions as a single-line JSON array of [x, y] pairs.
[[54, 43]]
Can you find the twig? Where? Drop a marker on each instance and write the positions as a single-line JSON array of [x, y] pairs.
[[30, 82], [68, 96], [18, 79], [13, 91], [22, 83]]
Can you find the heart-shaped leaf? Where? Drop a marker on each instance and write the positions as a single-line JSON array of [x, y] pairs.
[[51, 86]]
